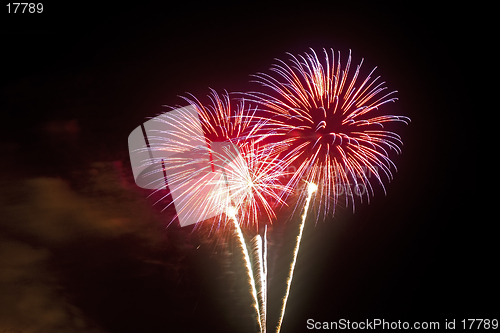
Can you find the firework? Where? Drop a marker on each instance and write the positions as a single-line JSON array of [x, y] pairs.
[[331, 120], [231, 213], [209, 157], [214, 163], [260, 258], [224, 162], [331, 124], [311, 188], [264, 275]]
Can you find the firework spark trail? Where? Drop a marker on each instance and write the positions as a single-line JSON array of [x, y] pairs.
[[260, 276], [264, 258], [311, 188], [231, 212]]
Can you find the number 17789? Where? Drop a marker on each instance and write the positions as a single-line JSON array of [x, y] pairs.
[[24, 7], [480, 324]]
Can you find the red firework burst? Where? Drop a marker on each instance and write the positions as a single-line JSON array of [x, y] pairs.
[[222, 158], [331, 122]]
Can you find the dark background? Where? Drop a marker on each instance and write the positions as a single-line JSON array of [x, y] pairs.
[[83, 250]]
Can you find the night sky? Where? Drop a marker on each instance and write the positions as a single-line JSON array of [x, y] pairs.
[[83, 249]]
